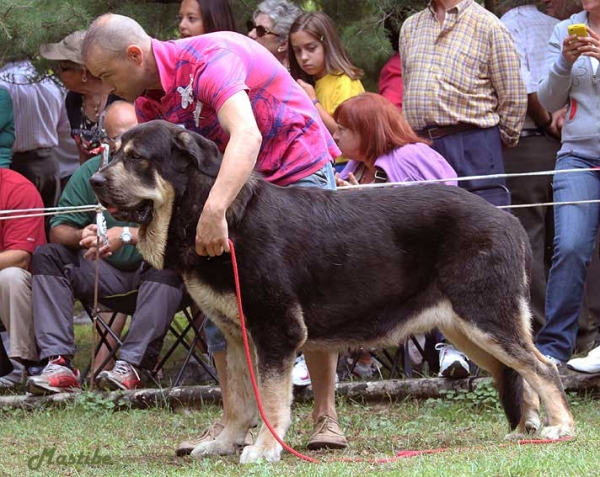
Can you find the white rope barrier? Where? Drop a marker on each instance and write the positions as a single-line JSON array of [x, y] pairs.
[[43, 212], [469, 178]]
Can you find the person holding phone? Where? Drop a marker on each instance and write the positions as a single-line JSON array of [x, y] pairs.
[[572, 79]]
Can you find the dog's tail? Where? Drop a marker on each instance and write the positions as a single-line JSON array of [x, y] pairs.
[[510, 389]]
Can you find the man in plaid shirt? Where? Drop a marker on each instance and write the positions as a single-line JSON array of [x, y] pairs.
[[463, 89]]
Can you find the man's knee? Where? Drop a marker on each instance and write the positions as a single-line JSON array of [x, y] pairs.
[[14, 278], [50, 259]]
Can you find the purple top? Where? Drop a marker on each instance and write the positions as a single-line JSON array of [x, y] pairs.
[[410, 163], [200, 73]]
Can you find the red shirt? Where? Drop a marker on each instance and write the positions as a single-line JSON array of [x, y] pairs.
[[16, 192], [390, 80]]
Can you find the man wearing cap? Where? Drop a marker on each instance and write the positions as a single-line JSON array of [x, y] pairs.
[[87, 97]]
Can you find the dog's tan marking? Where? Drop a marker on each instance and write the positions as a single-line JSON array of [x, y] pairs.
[[239, 403], [524, 358], [214, 303], [435, 316], [152, 239]]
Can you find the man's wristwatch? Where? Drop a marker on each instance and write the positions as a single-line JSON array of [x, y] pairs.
[[126, 236]]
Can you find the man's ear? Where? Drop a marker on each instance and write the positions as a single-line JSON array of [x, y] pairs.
[[203, 154]]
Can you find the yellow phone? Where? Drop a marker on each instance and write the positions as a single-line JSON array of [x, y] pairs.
[[578, 29]]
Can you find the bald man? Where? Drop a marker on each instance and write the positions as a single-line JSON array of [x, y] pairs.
[[119, 117], [233, 91]]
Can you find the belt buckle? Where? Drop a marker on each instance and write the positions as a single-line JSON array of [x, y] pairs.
[[430, 132]]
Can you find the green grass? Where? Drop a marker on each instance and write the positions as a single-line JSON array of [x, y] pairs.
[[142, 443]]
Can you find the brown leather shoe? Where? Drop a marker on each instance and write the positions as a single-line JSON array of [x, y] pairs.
[[327, 435], [210, 434]]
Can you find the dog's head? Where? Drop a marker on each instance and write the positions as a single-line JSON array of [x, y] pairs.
[[151, 166]]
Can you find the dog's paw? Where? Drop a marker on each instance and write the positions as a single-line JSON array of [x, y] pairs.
[[556, 432], [214, 447], [252, 454], [532, 425]]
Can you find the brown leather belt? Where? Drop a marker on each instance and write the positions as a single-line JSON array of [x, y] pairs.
[[436, 132]]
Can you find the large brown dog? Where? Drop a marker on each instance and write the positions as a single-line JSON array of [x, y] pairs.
[[336, 268]]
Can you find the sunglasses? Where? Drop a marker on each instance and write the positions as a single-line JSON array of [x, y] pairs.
[[260, 30]]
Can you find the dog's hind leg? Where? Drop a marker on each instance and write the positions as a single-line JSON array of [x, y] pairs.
[[239, 401], [503, 346], [508, 383]]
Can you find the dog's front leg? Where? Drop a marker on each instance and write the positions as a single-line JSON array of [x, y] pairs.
[[240, 403], [276, 397]]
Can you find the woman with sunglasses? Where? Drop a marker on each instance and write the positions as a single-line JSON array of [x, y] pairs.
[[87, 97], [197, 17], [270, 26]]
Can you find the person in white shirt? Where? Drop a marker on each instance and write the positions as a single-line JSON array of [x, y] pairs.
[[37, 104], [538, 144]]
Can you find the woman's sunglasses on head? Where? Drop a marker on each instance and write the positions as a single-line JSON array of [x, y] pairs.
[[260, 30]]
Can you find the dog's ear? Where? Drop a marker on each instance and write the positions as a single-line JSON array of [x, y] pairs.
[[201, 152]]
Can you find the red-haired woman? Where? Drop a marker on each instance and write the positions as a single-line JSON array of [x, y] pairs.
[[382, 146]]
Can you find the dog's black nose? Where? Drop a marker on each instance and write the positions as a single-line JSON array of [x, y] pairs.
[[98, 180]]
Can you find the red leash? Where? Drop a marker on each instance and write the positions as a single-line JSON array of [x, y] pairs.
[[400, 455]]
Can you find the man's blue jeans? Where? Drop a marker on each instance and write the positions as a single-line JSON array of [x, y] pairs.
[[576, 227]]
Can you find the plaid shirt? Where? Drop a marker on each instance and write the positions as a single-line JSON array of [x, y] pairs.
[[464, 71]]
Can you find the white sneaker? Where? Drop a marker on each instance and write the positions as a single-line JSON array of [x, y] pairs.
[[300, 376], [555, 361], [589, 364], [453, 363]]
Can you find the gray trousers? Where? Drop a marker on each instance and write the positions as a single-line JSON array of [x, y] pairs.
[[60, 275]]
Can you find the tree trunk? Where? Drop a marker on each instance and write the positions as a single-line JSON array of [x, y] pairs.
[[384, 390]]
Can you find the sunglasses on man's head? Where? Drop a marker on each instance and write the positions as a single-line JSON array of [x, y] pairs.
[[260, 30]]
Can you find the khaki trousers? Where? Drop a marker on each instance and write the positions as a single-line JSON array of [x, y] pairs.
[[16, 312]]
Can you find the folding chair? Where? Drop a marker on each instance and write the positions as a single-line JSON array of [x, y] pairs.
[[397, 361], [126, 304]]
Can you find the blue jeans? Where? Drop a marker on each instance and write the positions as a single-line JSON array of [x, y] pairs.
[[575, 227], [324, 178]]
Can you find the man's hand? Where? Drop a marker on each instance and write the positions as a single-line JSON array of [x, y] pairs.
[[308, 88], [212, 233], [89, 241]]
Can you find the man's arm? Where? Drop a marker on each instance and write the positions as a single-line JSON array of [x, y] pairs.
[[237, 119], [505, 74], [14, 258], [66, 235]]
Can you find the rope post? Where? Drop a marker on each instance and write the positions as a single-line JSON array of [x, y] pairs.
[[101, 240]]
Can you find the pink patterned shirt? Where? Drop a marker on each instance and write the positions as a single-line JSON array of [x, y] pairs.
[[199, 74]]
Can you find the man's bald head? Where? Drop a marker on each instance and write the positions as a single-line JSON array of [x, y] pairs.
[[119, 118], [117, 50], [113, 33]]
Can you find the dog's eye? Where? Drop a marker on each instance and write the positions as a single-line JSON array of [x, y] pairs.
[[136, 156]]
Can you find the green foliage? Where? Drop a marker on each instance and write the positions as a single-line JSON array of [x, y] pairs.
[[96, 403], [26, 24], [483, 397]]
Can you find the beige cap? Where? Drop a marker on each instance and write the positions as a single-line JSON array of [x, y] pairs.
[[68, 49]]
